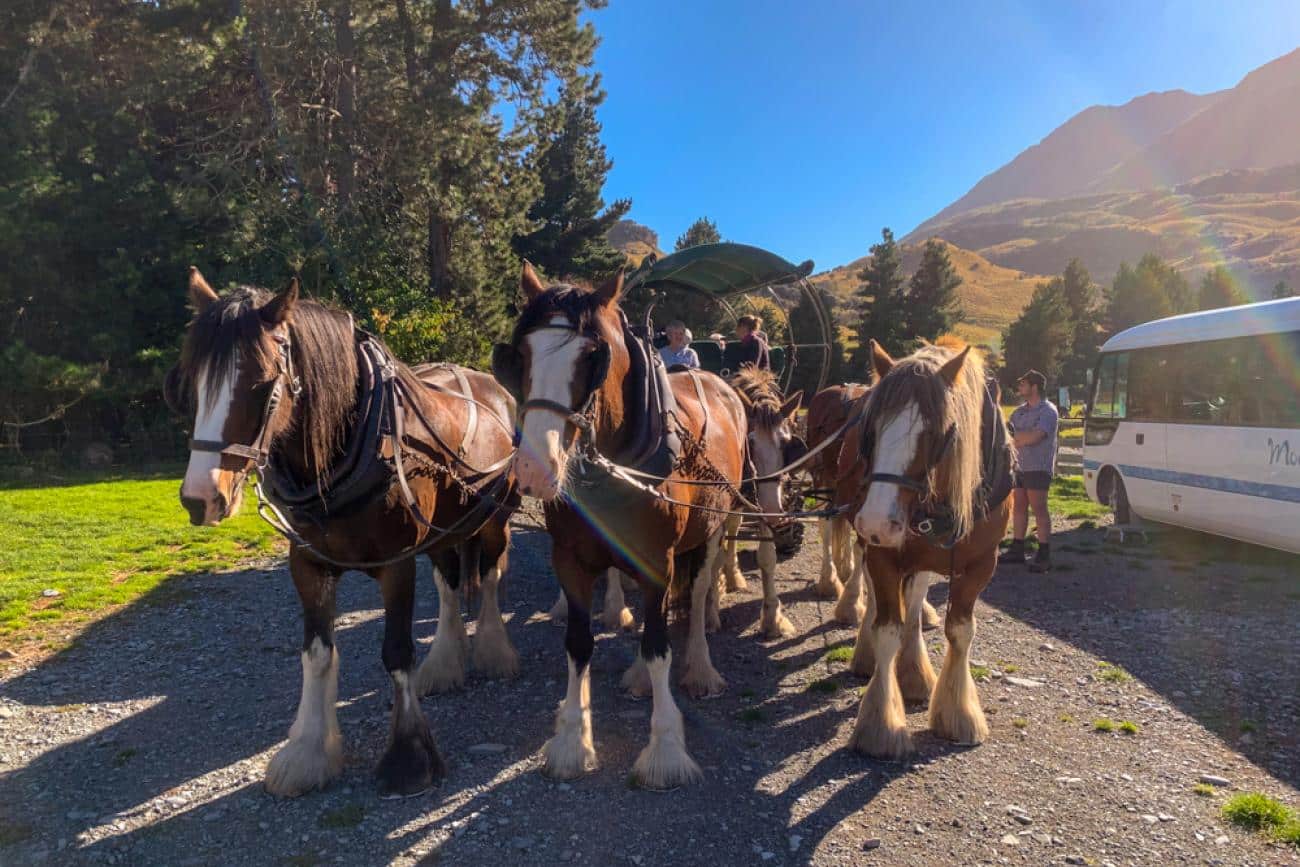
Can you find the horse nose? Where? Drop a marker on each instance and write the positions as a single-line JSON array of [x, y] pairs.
[[197, 508]]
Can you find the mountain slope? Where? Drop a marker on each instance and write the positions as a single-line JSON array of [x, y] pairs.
[[1080, 151], [991, 295]]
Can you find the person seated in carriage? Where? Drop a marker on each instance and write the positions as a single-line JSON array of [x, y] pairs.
[[751, 346], [678, 352]]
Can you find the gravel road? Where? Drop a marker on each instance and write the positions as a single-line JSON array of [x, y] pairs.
[[145, 743]]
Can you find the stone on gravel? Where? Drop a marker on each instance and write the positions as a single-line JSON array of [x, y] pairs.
[[525, 842], [1010, 840], [1024, 682], [487, 749], [1075, 859], [795, 841], [50, 593], [1212, 780], [871, 843], [1047, 647]]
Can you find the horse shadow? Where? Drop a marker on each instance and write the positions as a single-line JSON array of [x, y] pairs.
[[1207, 623]]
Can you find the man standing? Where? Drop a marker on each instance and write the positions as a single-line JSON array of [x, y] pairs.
[[1033, 426]]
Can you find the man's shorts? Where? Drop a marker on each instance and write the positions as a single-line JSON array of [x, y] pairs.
[[1034, 480]]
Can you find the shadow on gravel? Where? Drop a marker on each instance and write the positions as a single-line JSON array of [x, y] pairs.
[[1209, 624]]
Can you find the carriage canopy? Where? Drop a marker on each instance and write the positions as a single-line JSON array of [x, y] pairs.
[[718, 270]]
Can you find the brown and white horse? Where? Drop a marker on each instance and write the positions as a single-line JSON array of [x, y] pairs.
[[570, 361], [773, 444], [276, 381], [920, 453]]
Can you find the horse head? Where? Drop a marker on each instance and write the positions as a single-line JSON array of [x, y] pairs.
[[916, 440], [236, 382], [567, 350], [773, 443]]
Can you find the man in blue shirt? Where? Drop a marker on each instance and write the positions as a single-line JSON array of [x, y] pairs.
[[1033, 427]]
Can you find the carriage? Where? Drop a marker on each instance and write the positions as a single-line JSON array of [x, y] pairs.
[[727, 275]]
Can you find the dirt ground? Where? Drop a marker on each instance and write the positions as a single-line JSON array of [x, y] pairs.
[[146, 742]]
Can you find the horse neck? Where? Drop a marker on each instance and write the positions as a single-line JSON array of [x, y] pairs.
[[613, 398]]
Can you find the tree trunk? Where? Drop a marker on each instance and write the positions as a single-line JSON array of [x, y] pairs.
[[346, 45]]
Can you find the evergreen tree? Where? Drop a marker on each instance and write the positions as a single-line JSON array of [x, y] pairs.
[[1040, 337], [702, 231], [882, 305], [1081, 298], [570, 236], [1219, 288], [805, 327], [933, 307], [1152, 290]]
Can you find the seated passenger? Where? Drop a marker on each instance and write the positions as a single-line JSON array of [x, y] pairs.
[[678, 352]]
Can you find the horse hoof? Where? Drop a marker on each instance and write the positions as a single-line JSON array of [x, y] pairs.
[[636, 680], [568, 756], [777, 627], [495, 657], [882, 742], [929, 617], [301, 766], [410, 765], [665, 765], [706, 684], [850, 615], [828, 588]]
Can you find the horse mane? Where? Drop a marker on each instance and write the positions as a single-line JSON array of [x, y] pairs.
[[915, 378], [762, 392], [323, 358], [578, 304]]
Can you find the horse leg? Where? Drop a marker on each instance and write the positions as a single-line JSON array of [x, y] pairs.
[[494, 655], [915, 675], [774, 623], [881, 727], [828, 585], [444, 667], [955, 711], [314, 754], [616, 614], [411, 761], [571, 752], [929, 616], [664, 763], [701, 679], [850, 608], [864, 653], [735, 578], [560, 610]]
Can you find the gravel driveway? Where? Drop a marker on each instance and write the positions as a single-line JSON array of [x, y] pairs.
[[146, 742]]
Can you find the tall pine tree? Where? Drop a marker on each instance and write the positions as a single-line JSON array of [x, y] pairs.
[[702, 231], [1081, 299], [933, 307], [1151, 290], [1220, 288], [1039, 338], [569, 238], [882, 306]]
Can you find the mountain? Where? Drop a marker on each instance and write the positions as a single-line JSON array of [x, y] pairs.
[[1080, 151], [1199, 180], [991, 295], [634, 239]]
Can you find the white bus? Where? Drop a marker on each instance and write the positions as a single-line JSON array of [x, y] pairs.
[[1195, 420]]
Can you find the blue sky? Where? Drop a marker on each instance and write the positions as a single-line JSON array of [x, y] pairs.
[[806, 127]]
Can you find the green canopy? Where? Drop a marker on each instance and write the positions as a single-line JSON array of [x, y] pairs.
[[718, 270]]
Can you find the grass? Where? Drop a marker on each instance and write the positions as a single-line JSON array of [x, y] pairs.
[[751, 715], [824, 685], [843, 653], [980, 671], [123, 756], [1247, 726], [105, 543], [1112, 673], [1066, 718], [1068, 497], [1020, 723], [1103, 724], [1258, 812], [1205, 790], [1010, 668], [1129, 728], [347, 816]]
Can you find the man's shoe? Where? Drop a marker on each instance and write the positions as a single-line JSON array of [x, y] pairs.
[[1015, 553], [1042, 561]]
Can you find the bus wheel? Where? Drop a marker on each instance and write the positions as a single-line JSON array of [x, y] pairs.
[[1117, 497]]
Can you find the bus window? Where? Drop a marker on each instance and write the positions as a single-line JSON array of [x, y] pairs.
[[1110, 400], [1150, 382], [1270, 374]]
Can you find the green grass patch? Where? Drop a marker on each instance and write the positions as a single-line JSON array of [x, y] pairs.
[[824, 685], [1205, 790], [1112, 673], [1103, 724], [106, 543], [1068, 497], [1246, 726], [1020, 723], [980, 671], [1066, 718], [1257, 812], [1129, 727], [843, 653], [347, 816], [1010, 668], [123, 756]]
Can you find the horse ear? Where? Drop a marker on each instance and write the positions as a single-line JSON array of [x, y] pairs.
[[952, 368], [529, 283], [201, 294], [880, 360], [277, 310], [791, 405], [610, 290]]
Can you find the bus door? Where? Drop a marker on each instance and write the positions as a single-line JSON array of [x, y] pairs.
[[1140, 439]]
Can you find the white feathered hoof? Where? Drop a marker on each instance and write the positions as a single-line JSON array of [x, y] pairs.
[[736, 582], [955, 712], [775, 624], [494, 655], [916, 681], [665, 764], [849, 612], [929, 616], [703, 681], [569, 754], [619, 620], [410, 765], [443, 669], [828, 587], [863, 663], [301, 766], [636, 680]]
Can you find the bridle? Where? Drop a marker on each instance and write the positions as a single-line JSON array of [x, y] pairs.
[[924, 514], [507, 366], [258, 452]]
